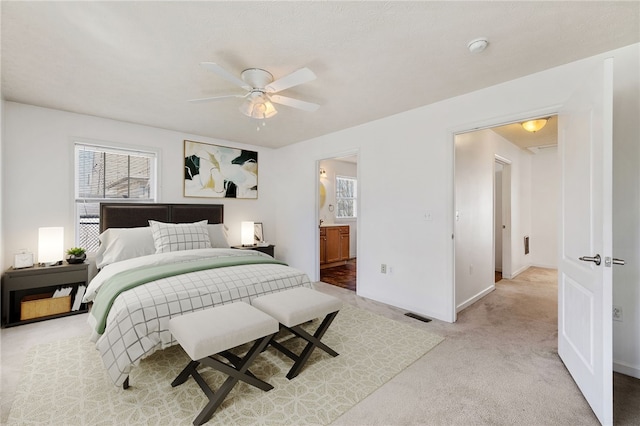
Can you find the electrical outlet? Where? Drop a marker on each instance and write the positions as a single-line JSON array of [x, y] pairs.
[[617, 313], [383, 268]]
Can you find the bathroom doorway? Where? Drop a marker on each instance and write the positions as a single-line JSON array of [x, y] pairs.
[[338, 218]]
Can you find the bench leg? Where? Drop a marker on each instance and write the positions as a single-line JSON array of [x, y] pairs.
[[313, 341], [239, 370], [185, 373]]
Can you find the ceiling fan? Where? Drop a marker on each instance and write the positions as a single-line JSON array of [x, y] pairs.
[[261, 90]]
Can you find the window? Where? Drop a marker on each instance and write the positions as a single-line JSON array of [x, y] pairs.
[[108, 174], [346, 195]]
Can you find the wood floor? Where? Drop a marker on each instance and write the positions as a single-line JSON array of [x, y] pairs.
[[341, 276]]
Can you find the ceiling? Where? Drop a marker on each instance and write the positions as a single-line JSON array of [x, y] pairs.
[[139, 61]]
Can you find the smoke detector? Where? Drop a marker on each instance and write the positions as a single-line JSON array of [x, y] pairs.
[[478, 45]]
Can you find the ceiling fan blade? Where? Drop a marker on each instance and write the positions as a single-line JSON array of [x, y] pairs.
[[218, 98], [225, 74], [303, 75], [294, 103]]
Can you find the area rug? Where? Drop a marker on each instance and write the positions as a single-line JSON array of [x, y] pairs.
[[64, 383]]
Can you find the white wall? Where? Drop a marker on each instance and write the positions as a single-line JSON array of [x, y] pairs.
[[335, 168], [406, 168], [626, 210], [38, 161], [544, 208], [474, 226]]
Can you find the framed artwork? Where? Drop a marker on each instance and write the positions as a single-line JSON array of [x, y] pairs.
[[219, 172], [258, 235]]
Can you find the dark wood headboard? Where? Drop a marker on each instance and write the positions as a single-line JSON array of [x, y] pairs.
[[133, 215]]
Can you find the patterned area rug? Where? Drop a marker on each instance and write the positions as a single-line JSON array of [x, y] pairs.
[[64, 382]]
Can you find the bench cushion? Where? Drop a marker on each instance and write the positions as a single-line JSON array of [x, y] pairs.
[[208, 332], [298, 305]]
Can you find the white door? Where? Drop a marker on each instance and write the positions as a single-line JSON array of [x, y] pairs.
[[584, 287]]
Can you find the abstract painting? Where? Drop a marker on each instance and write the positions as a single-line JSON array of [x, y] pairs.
[[219, 172]]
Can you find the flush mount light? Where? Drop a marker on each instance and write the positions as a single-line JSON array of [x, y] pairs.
[[534, 125], [478, 45]]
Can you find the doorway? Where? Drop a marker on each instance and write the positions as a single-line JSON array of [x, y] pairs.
[[338, 218], [500, 202], [502, 218]]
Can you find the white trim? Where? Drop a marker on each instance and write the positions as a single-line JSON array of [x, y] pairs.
[[540, 265], [502, 160], [504, 120], [518, 272], [627, 370], [475, 298]]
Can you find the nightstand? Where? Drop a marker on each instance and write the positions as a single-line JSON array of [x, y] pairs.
[[21, 285], [264, 249]]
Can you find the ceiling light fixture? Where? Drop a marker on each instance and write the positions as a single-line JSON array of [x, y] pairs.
[[478, 45], [258, 106], [534, 125]]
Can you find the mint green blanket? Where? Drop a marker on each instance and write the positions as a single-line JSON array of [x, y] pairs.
[[127, 280]]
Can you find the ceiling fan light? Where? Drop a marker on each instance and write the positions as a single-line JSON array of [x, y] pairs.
[[534, 125], [258, 107], [266, 109]]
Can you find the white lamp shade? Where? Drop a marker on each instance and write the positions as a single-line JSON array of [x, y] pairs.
[[50, 244], [246, 233], [258, 106]]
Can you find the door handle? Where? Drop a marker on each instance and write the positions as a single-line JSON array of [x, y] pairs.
[[595, 259], [609, 261]]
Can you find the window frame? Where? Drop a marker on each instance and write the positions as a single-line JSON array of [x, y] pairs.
[[113, 148]]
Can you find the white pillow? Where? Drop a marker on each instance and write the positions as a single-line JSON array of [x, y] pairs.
[[218, 236], [118, 244], [179, 236]]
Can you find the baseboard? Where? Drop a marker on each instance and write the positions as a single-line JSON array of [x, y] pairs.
[[518, 272], [540, 265], [475, 298], [627, 370]]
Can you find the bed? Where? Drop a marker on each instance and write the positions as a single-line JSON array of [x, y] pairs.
[[157, 261]]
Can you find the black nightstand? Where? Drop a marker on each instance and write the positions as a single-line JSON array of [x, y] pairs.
[[264, 249], [18, 284]]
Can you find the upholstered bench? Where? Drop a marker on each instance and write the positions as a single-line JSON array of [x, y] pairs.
[[294, 307], [203, 334]]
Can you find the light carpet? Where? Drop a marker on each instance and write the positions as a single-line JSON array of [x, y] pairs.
[[65, 383]]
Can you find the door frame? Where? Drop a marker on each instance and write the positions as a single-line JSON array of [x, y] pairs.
[[507, 270], [349, 153], [472, 127]]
